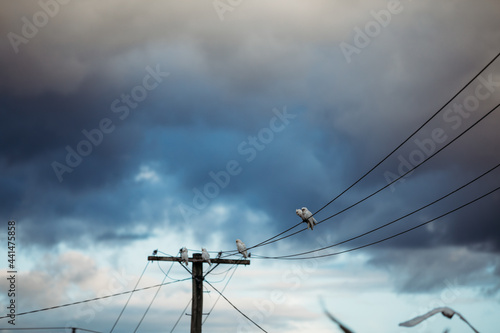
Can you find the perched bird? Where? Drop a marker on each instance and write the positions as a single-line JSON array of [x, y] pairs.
[[155, 252], [184, 256], [242, 248], [205, 256], [447, 312], [307, 217]]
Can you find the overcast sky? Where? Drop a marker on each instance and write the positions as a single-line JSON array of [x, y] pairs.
[[129, 126]]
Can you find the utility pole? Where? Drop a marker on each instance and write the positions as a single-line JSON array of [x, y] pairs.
[[197, 277], [197, 303]]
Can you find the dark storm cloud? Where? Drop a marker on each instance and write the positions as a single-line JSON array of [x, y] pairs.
[[224, 81], [436, 269]]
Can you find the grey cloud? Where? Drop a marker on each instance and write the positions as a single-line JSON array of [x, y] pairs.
[[427, 270]]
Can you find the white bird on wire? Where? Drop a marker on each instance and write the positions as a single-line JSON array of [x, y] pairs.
[[242, 248], [205, 256], [447, 312], [184, 256], [307, 217]]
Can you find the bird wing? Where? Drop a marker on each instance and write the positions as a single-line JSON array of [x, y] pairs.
[[335, 320], [419, 319], [342, 327], [462, 317]]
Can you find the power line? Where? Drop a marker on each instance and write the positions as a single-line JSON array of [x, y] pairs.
[[393, 181], [95, 299], [151, 303], [386, 238], [415, 167], [128, 300], [267, 241], [164, 273], [244, 315], [398, 219], [217, 300], [223, 272], [411, 135], [182, 314], [154, 297], [46, 328]]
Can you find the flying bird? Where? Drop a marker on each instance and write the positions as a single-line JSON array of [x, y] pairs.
[[344, 328], [184, 256], [205, 256], [336, 321], [447, 312], [242, 248], [307, 217]]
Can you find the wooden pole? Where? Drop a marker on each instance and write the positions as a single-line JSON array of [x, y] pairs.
[[197, 278], [197, 304]]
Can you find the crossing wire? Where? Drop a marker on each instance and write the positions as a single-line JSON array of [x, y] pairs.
[[270, 240], [398, 219], [46, 328], [217, 300], [96, 298], [130, 296], [390, 183], [182, 313], [154, 297], [386, 238], [244, 315], [411, 135]]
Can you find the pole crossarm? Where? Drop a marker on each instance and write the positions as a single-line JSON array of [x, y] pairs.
[[197, 298], [214, 260]]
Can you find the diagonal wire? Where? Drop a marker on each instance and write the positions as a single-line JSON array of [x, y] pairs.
[[130, 296], [244, 315], [182, 313], [400, 218], [149, 306], [273, 239], [154, 297], [267, 241], [224, 288], [389, 237], [411, 135], [393, 181], [93, 299]]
